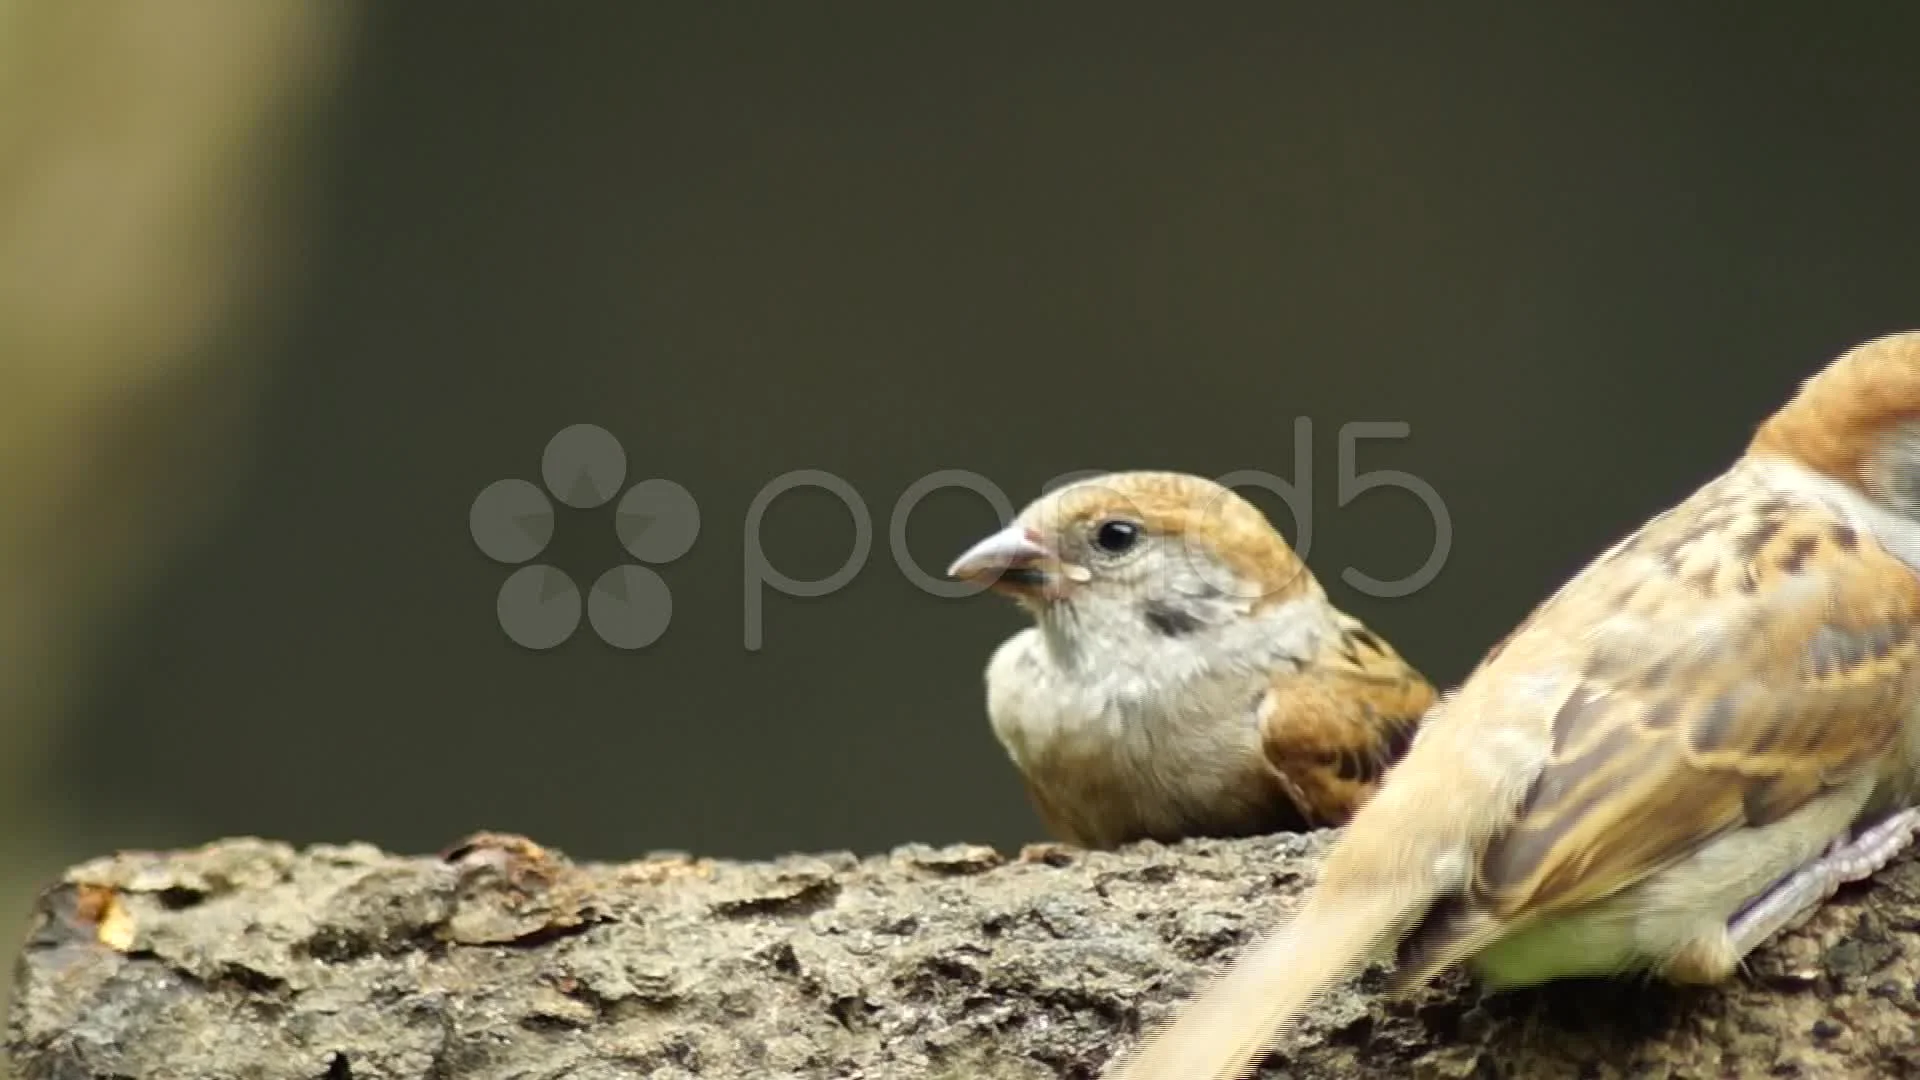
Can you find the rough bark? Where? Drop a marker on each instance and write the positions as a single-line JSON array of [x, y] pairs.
[[500, 959]]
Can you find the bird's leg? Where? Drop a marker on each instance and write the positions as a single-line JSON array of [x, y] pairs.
[[1846, 861]]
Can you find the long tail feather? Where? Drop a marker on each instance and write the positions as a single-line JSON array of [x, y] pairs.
[[1224, 1032]]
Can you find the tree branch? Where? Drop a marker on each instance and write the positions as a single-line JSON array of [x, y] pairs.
[[501, 959]]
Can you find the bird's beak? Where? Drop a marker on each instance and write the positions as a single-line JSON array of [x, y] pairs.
[[1010, 557]]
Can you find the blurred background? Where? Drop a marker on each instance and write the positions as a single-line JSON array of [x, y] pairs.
[[285, 286]]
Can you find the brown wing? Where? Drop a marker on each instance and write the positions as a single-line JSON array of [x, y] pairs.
[[1738, 656], [1332, 729]]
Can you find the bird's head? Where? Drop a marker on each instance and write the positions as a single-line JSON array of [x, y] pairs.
[[1139, 554], [1857, 421]]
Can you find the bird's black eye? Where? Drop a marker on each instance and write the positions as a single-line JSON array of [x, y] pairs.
[[1114, 537]]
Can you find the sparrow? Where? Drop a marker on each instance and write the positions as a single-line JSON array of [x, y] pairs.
[[1185, 675], [1687, 748]]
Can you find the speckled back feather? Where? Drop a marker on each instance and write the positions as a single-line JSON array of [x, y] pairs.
[[1738, 656], [1333, 729]]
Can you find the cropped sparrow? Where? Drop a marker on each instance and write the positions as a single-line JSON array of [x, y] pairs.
[[1185, 674], [1685, 749]]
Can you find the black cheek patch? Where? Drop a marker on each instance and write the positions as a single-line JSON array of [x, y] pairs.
[[1167, 620]]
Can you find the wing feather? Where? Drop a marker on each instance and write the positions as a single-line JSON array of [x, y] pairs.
[[1331, 730], [1738, 656]]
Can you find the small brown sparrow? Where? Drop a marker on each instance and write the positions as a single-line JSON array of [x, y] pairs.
[[1186, 675], [1687, 748]]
